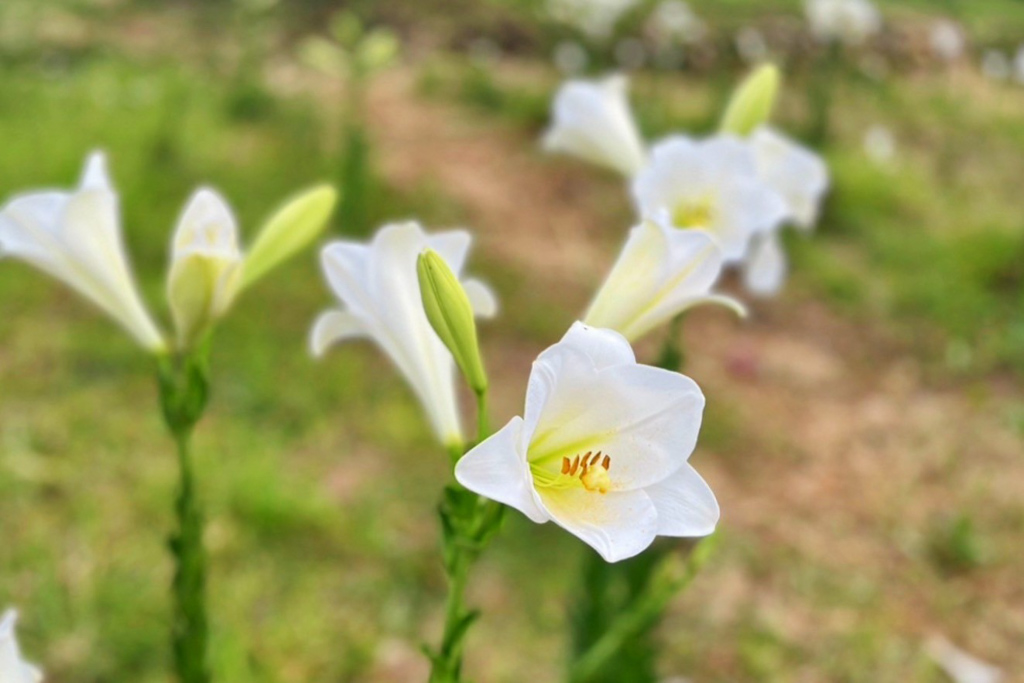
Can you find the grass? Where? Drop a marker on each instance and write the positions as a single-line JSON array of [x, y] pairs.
[[320, 477]]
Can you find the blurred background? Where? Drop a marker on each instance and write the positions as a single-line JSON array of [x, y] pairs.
[[864, 429]]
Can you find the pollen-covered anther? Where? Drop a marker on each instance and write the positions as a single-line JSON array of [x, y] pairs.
[[595, 473]]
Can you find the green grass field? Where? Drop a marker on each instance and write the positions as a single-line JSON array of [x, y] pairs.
[[869, 470]]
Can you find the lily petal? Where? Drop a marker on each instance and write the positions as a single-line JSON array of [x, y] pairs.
[[765, 268], [13, 668], [617, 525], [333, 327], [685, 503], [497, 469], [481, 297]]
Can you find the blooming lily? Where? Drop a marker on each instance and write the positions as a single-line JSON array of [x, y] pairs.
[[660, 273], [379, 290], [592, 120], [602, 449], [14, 669], [710, 185], [76, 237]]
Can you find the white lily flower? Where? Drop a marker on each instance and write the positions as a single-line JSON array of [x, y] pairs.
[[206, 265], [379, 289], [602, 450], [795, 172], [593, 121], [961, 666], [947, 40], [14, 669], [660, 273], [849, 21], [711, 185], [764, 269], [76, 237]]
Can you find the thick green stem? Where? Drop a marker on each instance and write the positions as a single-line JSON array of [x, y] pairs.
[[468, 522], [190, 629]]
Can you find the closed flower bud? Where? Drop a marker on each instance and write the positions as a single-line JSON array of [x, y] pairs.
[[451, 315], [752, 102]]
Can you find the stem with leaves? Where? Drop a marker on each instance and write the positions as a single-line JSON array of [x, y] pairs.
[[184, 388], [468, 523]]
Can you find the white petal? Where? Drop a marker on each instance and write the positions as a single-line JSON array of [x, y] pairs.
[[661, 272], [645, 419], [618, 525], [95, 176], [481, 297], [592, 120], [765, 268], [685, 503], [333, 327], [497, 469], [13, 668], [795, 172], [207, 225], [452, 245], [961, 666], [605, 348]]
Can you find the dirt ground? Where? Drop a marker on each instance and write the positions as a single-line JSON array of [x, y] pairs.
[[833, 457]]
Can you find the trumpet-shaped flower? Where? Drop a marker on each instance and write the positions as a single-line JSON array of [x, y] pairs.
[[378, 287], [796, 173], [14, 669], [660, 273], [206, 265], [710, 185], [602, 448], [592, 120], [76, 237], [849, 21]]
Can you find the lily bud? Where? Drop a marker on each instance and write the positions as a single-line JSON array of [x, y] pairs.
[[752, 102], [289, 231], [451, 315], [206, 266]]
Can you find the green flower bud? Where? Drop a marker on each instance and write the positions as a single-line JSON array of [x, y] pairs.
[[451, 315], [288, 231], [752, 102]]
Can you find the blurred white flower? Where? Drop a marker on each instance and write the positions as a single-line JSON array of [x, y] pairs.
[[673, 21], [996, 65], [1018, 65], [960, 666], [711, 185], [570, 58], [595, 18], [14, 669], [795, 172], [661, 272], [849, 21], [602, 448], [765, 266], [880, 145], [379, 290], [76, 238], [206, 265], [592, 120], [947, 40], [751, 45]]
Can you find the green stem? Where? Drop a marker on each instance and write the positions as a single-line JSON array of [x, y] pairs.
[[483, 427], [190, 629]]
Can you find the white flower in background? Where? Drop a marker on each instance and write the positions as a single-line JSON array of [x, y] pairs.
[[602, 448], [14, 669], [849, 21], [206, 265], [796, 173], [379, 290], [661, 272], [1018, 65], [570, 57], [764, 268], [960, 666], [711, 185], [674, 21], [595, 18], [880, 145], [996, 66], [76, 238], [751, 45], [947, 40], [593, 121]]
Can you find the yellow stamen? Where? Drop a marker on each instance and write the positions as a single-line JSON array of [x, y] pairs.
[[698, 213]]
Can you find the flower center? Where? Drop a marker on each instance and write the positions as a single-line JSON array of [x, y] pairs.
[[694, 213], [591, 469]]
